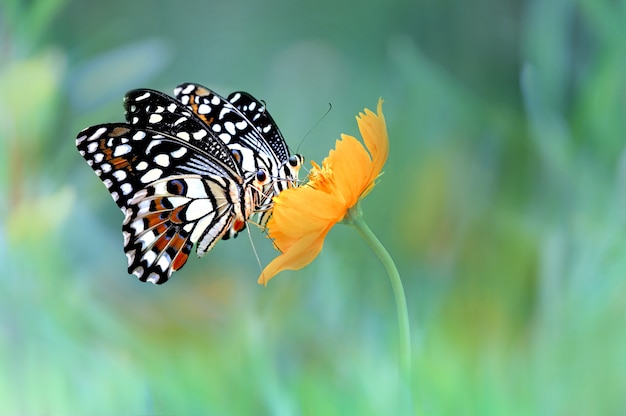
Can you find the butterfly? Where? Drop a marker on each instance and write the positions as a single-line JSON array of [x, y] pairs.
[[187, 172]]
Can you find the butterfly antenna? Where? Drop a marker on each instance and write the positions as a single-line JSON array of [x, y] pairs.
[[330, 107], [256, 255]]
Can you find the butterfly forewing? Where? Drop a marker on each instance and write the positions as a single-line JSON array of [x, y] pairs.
[[160, 112], [255, 111], [173, 194], [230, 126]]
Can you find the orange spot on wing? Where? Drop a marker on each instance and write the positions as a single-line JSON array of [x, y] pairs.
[[175, 215], [201, 91], [120, 163], [117, 162], [118, 131], [154, 220], [181, 245], [179, 260], [239, 225], [162, 243], [160, 229]]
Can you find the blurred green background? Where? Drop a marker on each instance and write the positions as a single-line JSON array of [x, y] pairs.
[[503, 203]]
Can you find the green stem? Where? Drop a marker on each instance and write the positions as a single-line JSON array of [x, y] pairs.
[[355, 219]]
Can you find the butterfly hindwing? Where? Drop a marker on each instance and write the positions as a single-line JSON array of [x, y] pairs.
[[166, 218]]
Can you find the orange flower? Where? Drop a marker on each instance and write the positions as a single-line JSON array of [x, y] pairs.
[[303, 216]]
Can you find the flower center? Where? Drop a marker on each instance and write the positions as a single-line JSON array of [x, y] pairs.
[[322, 178]]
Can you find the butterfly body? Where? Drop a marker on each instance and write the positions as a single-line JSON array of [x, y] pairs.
[[180, 178]]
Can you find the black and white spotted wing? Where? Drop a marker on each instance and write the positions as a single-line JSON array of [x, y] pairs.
[[245, 137], [173, 193], [160, 112], [255, 111]]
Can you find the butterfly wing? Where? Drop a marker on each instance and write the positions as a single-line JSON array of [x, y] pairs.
[[172, 193], [231, 126], [255, 111], [159, 112]]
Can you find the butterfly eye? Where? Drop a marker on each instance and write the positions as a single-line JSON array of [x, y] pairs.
[[295, 160], [261, 176]]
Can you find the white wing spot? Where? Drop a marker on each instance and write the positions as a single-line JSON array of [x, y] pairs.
[[177, 153], [146, 239], [139, 272], [126, 188], [152, 175], [150, 256], [143, 165], [120, 175], [183, 135], [204, 109], [122, 150], [137, 225], [139, 135], [153, 278], [230, 127], [199, 135], [153, 143], [143, 96], [130, 255], [164, 261], [155, 118], [97, 133], [92, 147], [162, 160]]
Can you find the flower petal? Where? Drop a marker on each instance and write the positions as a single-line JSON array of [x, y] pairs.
[[299, 211], [351, 165], [300, 254], [373, 129]]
